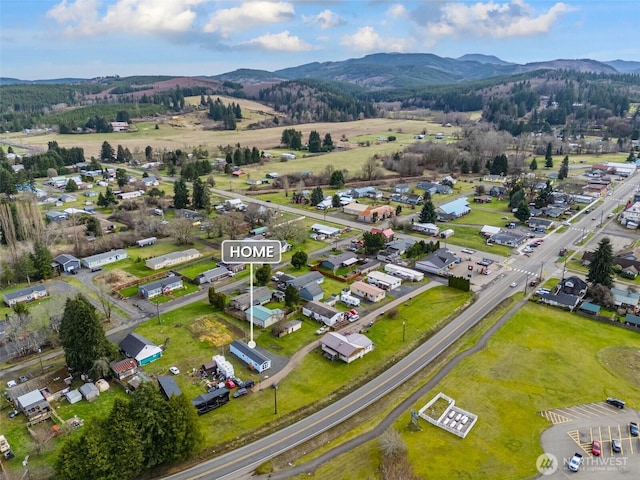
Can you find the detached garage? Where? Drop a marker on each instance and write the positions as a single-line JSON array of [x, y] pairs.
[[74, 396]]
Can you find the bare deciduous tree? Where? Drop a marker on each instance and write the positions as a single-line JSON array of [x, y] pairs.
[[233, 224], [371, 169], [182, 231]]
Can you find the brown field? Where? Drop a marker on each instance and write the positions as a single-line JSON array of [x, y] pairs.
[[185, 133]]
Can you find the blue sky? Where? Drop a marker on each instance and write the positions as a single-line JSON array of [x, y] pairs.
[[88, 38]]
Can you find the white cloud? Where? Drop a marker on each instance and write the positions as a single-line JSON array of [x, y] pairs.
[[494, 20], [326, 19], [249, 15], [397, 11], [366, 39], [278, 42], [133, 16]]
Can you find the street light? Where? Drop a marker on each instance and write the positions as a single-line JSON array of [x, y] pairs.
[[40, 358], [404, 329], [275, 398]]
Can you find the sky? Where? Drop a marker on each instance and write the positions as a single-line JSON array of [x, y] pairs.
[[43, 39]]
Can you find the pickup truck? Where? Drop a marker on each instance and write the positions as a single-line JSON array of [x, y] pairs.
[[575, 462]]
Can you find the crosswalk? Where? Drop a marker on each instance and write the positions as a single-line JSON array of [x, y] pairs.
[[524, 271]]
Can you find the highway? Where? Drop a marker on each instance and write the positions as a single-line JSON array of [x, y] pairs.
[[245, 459]]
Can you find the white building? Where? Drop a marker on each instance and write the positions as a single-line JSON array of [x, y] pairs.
[[426, 228], [383, 281], [404, 273]]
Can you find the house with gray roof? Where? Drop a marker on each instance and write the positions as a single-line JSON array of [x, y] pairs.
[[55, 216], [563, 300], [261, 296], [304, 280], [333, 262], [173, 258], [347, 347], [543, 223], [28, 294], [323, 313], [101, 259], [140, 349], [439, 262], [33, 404], [625, 298], [256, 360], [66, 263], [213, 275], [511, 238], [311, 292], [164, 286]]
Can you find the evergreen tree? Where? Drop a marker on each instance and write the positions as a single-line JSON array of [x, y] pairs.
[[42, 261], [200, 195], [212, 295], [71, 186], [475, 166], [524, 213], [317, 196], [315, 144], [291, 297], [464, 168], [533, 166], [327, 143], [109, 198], [183, 429], [564, 168], [180, 194], [81, 334], [117, 430], [601, 266], [373, 242], [106, 152], [122, 178], [263, 274], [299, 259], [93, 227], [428, 212], [337, 179], [548, 157]]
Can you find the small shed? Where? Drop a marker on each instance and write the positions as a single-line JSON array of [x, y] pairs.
[[168, 387], [89, 391], [74, 396], [102, 385]]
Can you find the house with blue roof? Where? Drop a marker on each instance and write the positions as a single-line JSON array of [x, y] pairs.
[[452, 210], [433, 188], [263, 317]]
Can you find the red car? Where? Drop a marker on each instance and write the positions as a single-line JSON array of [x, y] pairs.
[[595, 448], [230, 385]]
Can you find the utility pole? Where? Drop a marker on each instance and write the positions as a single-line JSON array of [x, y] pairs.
[[404, 325], [541, 267], [275, 398]]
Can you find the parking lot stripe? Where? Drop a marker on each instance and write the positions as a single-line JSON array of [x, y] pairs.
[[620, 437], [575, 436], [583, 411]]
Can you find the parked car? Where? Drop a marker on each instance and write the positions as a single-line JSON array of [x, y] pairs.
[[616, 446], [22, 379], [229, 384], [575, 462], [513, 284], [249, 384], [321, 330], [615, 402], [595, 448], [633, 429], [241, 392], [174, 370], [13, 413]]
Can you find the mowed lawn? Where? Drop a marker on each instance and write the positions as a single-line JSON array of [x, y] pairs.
[[541, 359], [196, 332]]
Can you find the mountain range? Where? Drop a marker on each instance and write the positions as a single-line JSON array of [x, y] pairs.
[[399, 70]]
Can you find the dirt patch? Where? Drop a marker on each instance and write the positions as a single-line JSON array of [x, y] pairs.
[[116, 277], [211, 331]]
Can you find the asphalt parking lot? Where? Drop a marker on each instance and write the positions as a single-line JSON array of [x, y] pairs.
[[574, 430]]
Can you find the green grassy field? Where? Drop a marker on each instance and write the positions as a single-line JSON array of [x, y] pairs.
[[470, 237], [524, 369]]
